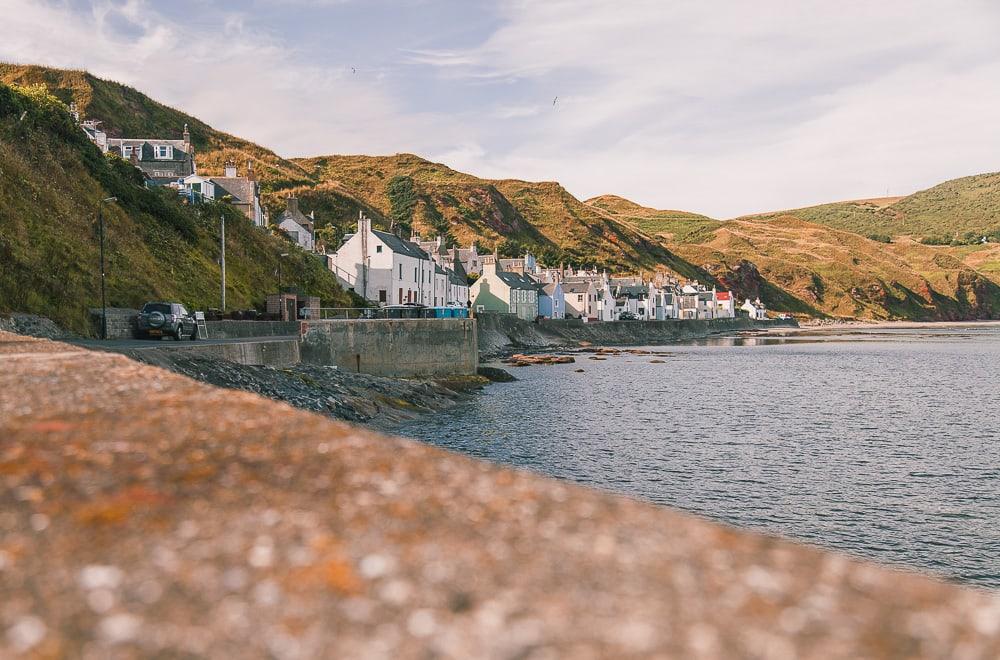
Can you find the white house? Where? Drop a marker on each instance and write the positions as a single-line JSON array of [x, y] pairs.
[[580, 297], [297, 225], [725, 305], [755, 309], [387, 269], [499, 291]]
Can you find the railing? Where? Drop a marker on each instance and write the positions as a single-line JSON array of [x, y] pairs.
[[393, 312]]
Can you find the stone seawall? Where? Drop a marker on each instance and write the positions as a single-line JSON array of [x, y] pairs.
[[263, 352], [404, 348], [144, 514], [501, 333], [244, 329]]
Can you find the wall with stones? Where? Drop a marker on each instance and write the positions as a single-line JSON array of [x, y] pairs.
[[404, 348]]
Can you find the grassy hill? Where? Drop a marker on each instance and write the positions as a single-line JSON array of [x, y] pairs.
[[51, 181], [854, 259], [126, 112], [957, 212], [512, 215], [809, 268]]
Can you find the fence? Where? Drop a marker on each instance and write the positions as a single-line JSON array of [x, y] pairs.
[[391, 312]]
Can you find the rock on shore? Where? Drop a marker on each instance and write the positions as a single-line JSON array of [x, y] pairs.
[[371, 400]]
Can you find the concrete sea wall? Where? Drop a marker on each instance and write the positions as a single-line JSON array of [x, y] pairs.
[[499, 333], [144, 514], [261, 352], [244, 329], [406, 348]]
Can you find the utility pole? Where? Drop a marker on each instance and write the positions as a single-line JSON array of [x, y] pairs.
[[280, 257], [222, 258], [104, 299]]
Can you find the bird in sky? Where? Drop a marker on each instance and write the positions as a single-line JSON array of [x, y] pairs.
[[554, 100], [353, 70]]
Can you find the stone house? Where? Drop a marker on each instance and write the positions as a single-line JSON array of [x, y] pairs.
[[161, 161]]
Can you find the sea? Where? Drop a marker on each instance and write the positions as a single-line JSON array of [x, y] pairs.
[[881, 443]]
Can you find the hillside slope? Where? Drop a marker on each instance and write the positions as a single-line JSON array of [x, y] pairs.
[[126, 112], [822, 270], [508, 214], [960, 211], [51, 181], [814, 261]]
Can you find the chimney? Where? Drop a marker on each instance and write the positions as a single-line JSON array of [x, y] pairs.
[[250, 174], [440, 241], [363, 223], [489, 265], [230, 169], [292, 204], [187, 139]]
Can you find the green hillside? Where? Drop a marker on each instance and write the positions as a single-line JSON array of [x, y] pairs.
[[960, 212], [51, 181], [510, 215], [805, 267], [917, 257], [126, 112]]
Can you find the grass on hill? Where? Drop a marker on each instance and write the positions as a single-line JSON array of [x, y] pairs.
[[51, 181]]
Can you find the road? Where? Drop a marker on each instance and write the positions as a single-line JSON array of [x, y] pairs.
[[133, 344]]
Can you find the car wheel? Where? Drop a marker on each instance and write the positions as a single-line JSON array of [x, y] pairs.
[[179, 335]]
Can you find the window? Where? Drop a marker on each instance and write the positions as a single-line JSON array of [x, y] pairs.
[[163, 151], [400, 277], [381, 295], [378, 249], [126, 151], [579, 297], [414, 274]]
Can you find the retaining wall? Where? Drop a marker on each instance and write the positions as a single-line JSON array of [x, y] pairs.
[[271, 353], [121, 322], [242, 329], [405, 348], [501, 332]]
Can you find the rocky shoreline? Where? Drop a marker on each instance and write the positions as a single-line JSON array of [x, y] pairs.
[[359, 398]]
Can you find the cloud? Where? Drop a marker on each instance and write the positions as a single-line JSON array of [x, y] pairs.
[[220, 68], [725, 107]]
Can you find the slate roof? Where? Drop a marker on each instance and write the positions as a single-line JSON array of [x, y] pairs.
[[575, 287], [240, 188], [397, 244], [516, 281], [633, 291]]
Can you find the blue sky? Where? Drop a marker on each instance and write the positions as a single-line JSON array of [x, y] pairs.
[[723, 107]]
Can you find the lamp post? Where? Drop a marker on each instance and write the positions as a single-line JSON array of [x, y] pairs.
[[104, 301]]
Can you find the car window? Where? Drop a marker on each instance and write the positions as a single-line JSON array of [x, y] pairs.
[[181, 310], [156, 307]]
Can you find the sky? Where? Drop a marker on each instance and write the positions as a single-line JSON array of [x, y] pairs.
[[723, 107]]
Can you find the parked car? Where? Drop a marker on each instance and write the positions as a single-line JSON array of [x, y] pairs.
[[166, 319]]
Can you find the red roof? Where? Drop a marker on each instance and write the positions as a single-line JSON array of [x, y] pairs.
[[722, 295]]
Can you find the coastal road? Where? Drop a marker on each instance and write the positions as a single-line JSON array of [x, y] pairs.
[[134, 344]]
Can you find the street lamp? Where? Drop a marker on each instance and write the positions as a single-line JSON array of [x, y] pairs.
[[104, 302]]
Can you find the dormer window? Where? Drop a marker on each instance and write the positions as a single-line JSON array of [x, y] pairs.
[[126, 151], [163, 152]]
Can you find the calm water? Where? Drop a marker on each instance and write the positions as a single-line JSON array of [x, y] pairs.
[[884, 444]]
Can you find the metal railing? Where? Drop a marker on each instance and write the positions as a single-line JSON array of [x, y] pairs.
[[392, 312]]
